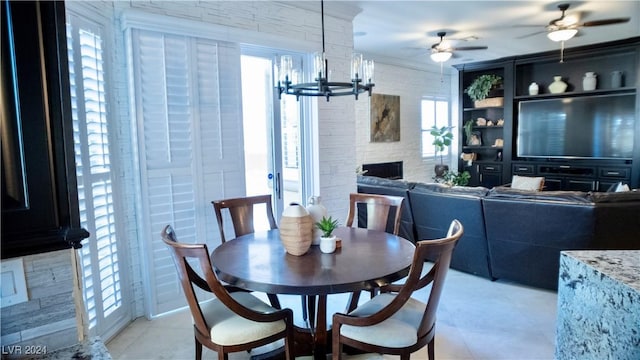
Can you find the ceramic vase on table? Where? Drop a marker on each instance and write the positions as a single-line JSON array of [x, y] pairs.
[[317, 211], [557, 86], [296, 229], [534, 89], [589, 81]]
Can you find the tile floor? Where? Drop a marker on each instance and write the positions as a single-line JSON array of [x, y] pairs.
[[477, 319]]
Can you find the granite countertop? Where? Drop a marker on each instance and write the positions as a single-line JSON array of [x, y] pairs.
[[620, 265]]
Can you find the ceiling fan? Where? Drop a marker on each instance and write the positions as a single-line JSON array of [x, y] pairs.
[[565, 27], [442, 50]]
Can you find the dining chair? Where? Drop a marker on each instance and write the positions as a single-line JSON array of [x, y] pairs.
[[234, 320], [241, 213], [396, 322], [374, 212]]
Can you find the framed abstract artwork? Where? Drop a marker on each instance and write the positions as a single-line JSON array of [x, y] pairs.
[[385, 118]]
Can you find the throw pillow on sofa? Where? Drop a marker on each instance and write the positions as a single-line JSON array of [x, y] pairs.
[[527, 183]]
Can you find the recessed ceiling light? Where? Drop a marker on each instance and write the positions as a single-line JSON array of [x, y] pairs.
[[359, 33]]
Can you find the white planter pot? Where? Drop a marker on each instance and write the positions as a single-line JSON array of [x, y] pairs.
[[328, 244]]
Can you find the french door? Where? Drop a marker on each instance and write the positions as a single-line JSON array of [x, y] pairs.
[[274, 132]]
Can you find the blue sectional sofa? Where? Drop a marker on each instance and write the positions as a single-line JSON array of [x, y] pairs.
[[513, 234]]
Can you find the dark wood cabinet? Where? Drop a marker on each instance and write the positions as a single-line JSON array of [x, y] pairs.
[[561, 172], [489, 168], [39, 194]]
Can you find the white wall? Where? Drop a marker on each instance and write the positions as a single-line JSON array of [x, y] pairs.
[[411, 85]]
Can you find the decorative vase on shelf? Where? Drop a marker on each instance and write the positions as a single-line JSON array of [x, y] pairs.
[[533, 89], [557, 86], [589, 81], [296, 229], [616, 79], [317, 211]]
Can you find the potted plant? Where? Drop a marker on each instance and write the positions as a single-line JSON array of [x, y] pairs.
[[480, 88], [468, 129], [452, 178], [442, 138], [327, 240]]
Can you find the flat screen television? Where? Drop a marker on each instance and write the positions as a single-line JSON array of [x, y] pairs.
[[594, 127]]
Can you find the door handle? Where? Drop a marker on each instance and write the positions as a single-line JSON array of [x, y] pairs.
[[278, 186]]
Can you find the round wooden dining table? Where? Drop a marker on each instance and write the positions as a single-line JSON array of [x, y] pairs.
[[367, 259]]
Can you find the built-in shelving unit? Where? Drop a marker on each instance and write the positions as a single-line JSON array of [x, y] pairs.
[[494, 165], [487, 168]]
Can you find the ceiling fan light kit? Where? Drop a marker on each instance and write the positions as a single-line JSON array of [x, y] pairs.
[[441, 56], [562, 34], [361, 76]]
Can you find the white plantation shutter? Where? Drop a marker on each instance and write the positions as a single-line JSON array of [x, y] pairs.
[[101, 265], [182, 147]]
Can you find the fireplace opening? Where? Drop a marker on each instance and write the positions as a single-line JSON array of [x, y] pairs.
[[387, 170]]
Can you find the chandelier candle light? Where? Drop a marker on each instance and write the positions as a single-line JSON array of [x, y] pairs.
[[361, 76]]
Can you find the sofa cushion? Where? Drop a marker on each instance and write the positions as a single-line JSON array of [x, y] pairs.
[[610, 197], [505, 192], [434, 206], [378, 181], [477, 191]]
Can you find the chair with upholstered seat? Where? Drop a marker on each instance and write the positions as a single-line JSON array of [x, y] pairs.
[[232, 321], [395, 322], [241, 212], [374, 212]]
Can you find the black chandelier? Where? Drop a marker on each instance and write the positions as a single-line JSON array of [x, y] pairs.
[[361, 76]]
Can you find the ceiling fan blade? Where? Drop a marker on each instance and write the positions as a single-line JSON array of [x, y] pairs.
[[531, 34], [463, 48], [606, 22]]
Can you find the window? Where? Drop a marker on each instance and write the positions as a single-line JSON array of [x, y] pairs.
[[434, 111]]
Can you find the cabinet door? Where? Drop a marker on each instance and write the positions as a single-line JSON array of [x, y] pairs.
[[474, 171], [490, 179], [39, 196], [605, 185], [579, 185], [552, 184]]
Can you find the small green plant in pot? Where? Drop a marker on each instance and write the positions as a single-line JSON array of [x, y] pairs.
[[442, 137], [452, 178], [327, 225], [468, 129], [482, 86]]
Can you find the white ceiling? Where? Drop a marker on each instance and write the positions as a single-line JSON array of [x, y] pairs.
[[402, 32]]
